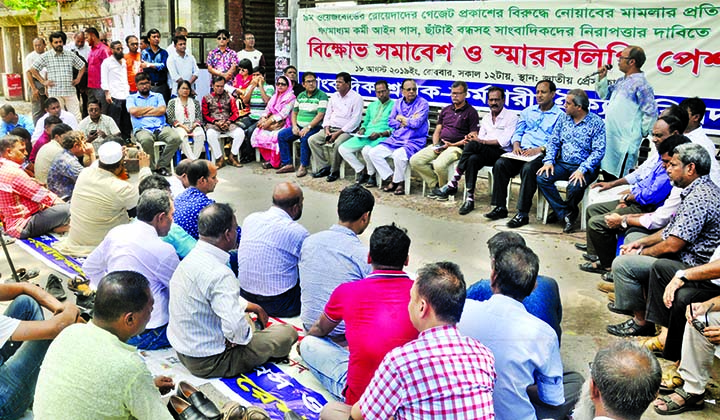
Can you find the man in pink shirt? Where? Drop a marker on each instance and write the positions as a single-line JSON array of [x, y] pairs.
[[376, 319], [49, 123], [98, 53]]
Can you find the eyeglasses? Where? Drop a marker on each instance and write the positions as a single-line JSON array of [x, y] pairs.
[[624, 58], [222, 38], [133, 43], [410, 89], [281, 84], [310, 81]]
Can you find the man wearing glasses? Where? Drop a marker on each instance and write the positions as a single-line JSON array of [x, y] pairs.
[[222, 61], [629, 115]]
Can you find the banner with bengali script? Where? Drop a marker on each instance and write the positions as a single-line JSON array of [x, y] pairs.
[[277, 392], [43, 248], [515, 45]]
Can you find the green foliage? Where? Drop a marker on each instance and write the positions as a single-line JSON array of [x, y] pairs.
[[37, 6]]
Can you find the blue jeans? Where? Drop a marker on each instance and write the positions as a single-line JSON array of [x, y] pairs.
[[328, 362], [153, 339], [544, 301], [285, 143], [574, 193], [20, 362]]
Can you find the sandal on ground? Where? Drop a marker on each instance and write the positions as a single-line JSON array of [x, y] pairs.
[[25, 274], [693, 402], [390, 187], [267, 165], [400, 190], [608, 277], [671, 380], [79, 284], [8, 240], [592, 267], [653, 344]]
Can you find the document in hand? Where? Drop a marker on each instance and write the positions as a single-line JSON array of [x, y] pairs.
[[512, 155]]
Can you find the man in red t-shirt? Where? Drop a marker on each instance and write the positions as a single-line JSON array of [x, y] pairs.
[[376, 319]]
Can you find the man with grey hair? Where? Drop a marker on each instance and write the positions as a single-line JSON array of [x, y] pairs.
[[573, 153], [138, 247], [625, 378], [645, 266]]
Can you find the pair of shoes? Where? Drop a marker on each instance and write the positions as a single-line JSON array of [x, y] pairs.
[[611, 307], [362, 179], [443, 193], [79, 284], [467, 207], [371, 182], [322, 172], [285, 169], [197, 400], [333, 177], [552, 218], [431, 194], [671, 379], [631, 328], [181, 409], [301, 172], [693, 402], [606, 287], [591, 257], [517, 221], [569, 221], [592, 267], [608, 277], [55, 288], [24, 274], [653, 344], [163, 172], [390, 187], [581, 247], [400, 189], [497, 213]]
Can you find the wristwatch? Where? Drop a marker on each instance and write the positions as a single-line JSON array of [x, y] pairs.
[[624, 223], [543, 149], [681, 275]]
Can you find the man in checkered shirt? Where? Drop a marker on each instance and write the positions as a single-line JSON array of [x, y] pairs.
[[59, 82], [441, 375]]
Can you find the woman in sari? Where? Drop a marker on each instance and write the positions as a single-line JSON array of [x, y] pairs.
[[185, 116], [276, 117]]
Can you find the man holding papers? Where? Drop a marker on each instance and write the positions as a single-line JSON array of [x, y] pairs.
[[534, 127]]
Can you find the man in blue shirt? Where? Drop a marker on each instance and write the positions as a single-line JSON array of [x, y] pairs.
[[147, 112], [573, 154], [533, 128], [154, 64], [530, 379], [10, 120]]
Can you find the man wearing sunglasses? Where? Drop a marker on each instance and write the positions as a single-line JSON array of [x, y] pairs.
[[222, 61]]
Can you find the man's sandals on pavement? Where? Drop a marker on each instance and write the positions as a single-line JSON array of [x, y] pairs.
[[693, 402]]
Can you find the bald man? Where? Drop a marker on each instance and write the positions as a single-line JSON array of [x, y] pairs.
[[269, 252]]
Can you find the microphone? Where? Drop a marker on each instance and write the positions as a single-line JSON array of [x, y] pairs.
[[607, 67]]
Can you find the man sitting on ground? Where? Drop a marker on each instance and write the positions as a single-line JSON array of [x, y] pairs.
[[10, 120], [102, 199], [459, 383], [530, 380], [544, 300], [66, 167], [138, 247], [46, 136], [269, 252], [574, 152], [93, 360], [24, 338], [202, 179], [208, 325], [27, 209], [534, 127], [49, 151], [374, 310], [335, 256], [96, 125], [179, 182], [53, 109]]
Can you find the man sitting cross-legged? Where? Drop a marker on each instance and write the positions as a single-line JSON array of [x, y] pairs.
[[441, 374], [208, 327], [530, 380], [138, 247], [374, 310]]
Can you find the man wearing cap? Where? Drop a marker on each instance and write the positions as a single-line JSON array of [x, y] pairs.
[[102, 199]]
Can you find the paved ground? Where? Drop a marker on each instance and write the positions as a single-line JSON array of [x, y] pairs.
[[439, 233]]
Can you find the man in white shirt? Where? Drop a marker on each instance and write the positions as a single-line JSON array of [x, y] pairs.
[[96, 125], [181, 65], [114, 81], [342, 118], [24, 338], [256, 57], [137, 247], [695, 108], [39, 94], [171, 48], [209, 327], [52, 107]]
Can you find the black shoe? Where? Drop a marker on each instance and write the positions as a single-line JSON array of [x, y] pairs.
[[362, 178], [443, 193], [611, 307], [591, 258], [630, 328], [467, 207], [581, 247], [163, 172], [371, 182], [551, 218], [333, 177], [195, 397], [431, 194], [569, 221], [322, 172], [517, 221], [55, 288], [181, 409], [85, 301], [497, 213]]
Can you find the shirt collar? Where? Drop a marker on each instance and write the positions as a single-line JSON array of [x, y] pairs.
[[440, 331], [4, 161], [211, 249], [342, 229], [507, 300], [277, 211], [698, 181]]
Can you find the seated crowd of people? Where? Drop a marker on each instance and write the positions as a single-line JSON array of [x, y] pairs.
[[170, 267]]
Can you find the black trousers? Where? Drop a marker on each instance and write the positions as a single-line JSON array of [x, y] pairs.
[[504, 170], [286, 304], [474, 157], [118, 112]]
